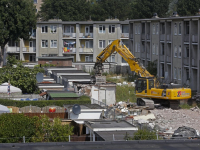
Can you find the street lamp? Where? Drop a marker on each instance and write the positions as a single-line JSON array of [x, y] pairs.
[[105, 93]]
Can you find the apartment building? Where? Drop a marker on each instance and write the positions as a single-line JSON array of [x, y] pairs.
[[83, 40], [37, 4], [174, 42]]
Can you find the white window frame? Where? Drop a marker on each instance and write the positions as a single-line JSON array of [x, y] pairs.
[[89, 43], [175, 51], [154, 29], [102, 29], [53, 28], [54, 42], [175, 29], [136, 29], [179, 52], [175, 73], [153, 49], [103, 43], [179, 28], [157, 28], [44, 26], [110, 41], [87, 57], [71, 29], [46, 43], [111, 28]]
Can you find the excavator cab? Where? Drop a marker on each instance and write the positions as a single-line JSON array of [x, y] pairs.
[[144, 84]]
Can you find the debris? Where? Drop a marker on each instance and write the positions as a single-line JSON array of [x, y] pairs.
[[185, 132], [145, 117]]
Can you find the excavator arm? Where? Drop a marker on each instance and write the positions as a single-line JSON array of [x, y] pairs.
[[121, 49]]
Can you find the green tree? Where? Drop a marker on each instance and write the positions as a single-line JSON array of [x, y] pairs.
[[19, 76], [17, 17], [152, 67], [188, 7]]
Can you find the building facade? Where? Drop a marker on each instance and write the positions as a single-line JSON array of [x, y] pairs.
[[173, 43], [83, 40]]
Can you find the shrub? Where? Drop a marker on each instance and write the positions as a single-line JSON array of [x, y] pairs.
[[144, 134]]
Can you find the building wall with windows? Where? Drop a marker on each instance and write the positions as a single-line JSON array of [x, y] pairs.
[[37, 4], [173, 42], [83, 40]]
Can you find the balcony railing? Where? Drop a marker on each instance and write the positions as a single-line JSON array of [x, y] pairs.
[[186, 61], [124, 35], [85, 50], [29, 49], [33, 35], [69, 35], [162, 37], [186, 38], [13, 50], [69, 50], [86, 35], [168, 37], [194, 38], [194, 62], [168, 59], [148, 37]]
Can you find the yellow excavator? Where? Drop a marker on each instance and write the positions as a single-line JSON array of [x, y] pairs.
[[148, 89]]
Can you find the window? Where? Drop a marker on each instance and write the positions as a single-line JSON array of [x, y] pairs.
[[175, 29], [179, 73], [179, 29], [13, 43], [111, 28], [156, 49], [30, 43], [44, 29], [187, 52], [187, 74], [110, 41], [179, 52], [53, 28], [153, 48], [187, 28], [68, 29], [16, 57], [175, 73], [138, 47], [53, 44], [175, 51], [89, 29], [157, 28], [154, 29], [125, 28], [89, 44], [135, 47], [88, 58], [35, 1], [101, 28], [136, 29], [111, 58], [44, 43], [102, 43], [32, 58]]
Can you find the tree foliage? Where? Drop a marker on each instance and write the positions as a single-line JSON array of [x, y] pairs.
[[17, 17], [19, 76], [14, 126], [152, 68], [188, 7]]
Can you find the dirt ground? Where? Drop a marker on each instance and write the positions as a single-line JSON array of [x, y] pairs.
[[169, 119]]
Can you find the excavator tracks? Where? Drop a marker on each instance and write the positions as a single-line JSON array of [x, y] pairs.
[[145, 102]]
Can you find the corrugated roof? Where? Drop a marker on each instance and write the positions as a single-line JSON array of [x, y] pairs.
[[76, 76], [53, 95]]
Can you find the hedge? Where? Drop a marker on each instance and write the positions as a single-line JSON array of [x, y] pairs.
[[43, 103]]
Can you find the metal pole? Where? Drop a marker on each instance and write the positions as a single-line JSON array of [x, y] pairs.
[[69, 138], [113, 137], [105, 96]]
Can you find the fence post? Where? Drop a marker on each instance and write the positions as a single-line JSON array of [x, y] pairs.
[[24, 139], [157, 134], [113, 137], [69, 138]]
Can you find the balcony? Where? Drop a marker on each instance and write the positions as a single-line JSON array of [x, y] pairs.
[[13, 50], [168, 59], [194, 38], [186, 38], [29, 49], [161, 58], [124, 35], [131, 36], [69, 35], [85, 35], [33, 35], [143, 55], [143, 36], [168, 37], [148, 56], [69, 50], [186, 61], [162, 37], [194, 62], [85, 50]]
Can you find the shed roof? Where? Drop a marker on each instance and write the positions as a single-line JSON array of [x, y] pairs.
[[54, 95], [68, 71], [76, 76]]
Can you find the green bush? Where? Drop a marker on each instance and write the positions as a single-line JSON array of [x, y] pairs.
[[125, 92], [43, 103], [185, 106]]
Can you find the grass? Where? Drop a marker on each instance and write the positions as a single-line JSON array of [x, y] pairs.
[[185, 106]]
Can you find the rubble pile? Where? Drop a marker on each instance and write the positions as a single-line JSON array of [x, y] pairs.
[[169, 120]]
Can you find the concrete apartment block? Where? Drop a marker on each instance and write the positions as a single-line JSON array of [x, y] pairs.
[[82, 40], [173, 42]]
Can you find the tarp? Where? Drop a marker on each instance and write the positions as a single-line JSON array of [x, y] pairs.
[[13, 89], [4, 109]]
